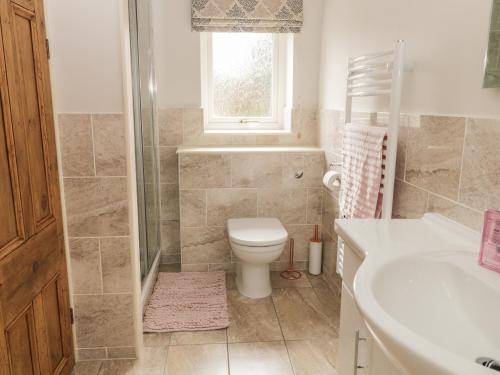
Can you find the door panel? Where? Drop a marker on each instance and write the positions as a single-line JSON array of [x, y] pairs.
[[9, 228], [34, 302], [28, 64], [26, 271], [21, 344], [51, 300]]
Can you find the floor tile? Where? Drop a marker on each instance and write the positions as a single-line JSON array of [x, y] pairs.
[[313, 357], [317, 281], [199, 337], [119, 367], [331, 302], [263, 358], [154, 361], [197, 360], [87, 368], [278, 282], [157, 339], [252, 319], [302, 315]]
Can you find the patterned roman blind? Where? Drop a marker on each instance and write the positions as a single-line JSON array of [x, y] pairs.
[[275, 16]]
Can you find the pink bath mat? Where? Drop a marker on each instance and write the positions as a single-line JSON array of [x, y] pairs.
[[187, 301]]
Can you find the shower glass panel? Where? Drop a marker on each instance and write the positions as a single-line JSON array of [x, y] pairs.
[[146, 139]]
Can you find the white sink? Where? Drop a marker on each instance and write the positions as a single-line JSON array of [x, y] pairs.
[[423, 296]]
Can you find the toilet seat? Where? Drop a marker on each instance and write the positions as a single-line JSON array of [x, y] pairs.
[[256, 232]]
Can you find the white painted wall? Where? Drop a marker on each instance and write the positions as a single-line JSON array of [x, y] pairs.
[[447, 40], [86, 60], [177, 55]]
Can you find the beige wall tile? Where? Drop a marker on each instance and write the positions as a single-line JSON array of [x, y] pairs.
[[104, 320], [301, 235], [262, 170], [121, 352], [109, 145], [409, 201], [193, 208], [96, 206], [406, 121], [267, 139], [169, 168], [85, 265], [329, 256], [311, 164], [244, 139], [228, 267], [204, 170], [170, 127], [194, 267], [205, 245], [91, 354], [288, 205], [480, 182], [192, 126], [282, 265], [116, 264], [170, 237], [75, 139], [169, 202], [223, 204], [453, 210], [314, 205], [434, 154]]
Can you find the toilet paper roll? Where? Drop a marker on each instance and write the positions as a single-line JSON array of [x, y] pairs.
[[331, 180]]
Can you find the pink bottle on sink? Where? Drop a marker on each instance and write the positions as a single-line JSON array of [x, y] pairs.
[[489, 256]]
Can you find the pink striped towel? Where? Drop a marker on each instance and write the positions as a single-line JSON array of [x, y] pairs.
[[362, 169]]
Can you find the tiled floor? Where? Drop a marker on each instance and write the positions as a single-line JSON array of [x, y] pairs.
[[295, 331]]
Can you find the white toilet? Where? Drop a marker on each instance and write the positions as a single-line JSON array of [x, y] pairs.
[[256, 242]]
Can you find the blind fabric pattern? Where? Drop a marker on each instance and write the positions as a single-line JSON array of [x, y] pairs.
[[264, 16]]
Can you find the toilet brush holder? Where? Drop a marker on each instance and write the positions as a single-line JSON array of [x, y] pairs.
[[291, 273], [315, 253]]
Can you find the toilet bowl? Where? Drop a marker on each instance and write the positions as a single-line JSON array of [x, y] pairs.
[[256, 242]]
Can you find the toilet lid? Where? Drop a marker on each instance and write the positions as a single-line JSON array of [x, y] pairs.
[[257, 231]]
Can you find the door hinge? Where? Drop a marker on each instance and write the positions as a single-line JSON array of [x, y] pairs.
[[47, 46], [71, 316]]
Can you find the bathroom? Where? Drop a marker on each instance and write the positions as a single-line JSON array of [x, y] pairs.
[[192, 163]]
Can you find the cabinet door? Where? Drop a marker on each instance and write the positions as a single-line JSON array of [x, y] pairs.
[[350, 324], [34, 305]]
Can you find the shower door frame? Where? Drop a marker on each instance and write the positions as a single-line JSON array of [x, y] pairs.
[[137, 85]]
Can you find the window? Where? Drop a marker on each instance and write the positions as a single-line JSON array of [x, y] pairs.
[[244, 81]]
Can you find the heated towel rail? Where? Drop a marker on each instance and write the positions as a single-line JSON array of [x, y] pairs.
[[374, 75]]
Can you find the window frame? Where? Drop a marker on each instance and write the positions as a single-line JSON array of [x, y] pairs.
[[281, 74]]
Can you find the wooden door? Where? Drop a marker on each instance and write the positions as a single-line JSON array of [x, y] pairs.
[[35, 318]]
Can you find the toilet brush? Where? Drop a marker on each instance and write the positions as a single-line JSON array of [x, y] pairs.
[[291, 273]]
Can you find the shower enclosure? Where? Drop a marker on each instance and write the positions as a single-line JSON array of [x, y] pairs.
[[146, 137]]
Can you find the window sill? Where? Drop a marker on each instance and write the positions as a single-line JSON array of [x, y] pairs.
[[247, 149], [248, 131]]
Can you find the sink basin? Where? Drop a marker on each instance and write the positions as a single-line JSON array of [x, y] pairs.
[[427, 302], [437, 297]]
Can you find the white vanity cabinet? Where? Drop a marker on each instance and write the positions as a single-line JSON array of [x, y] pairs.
[[358, 353]]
